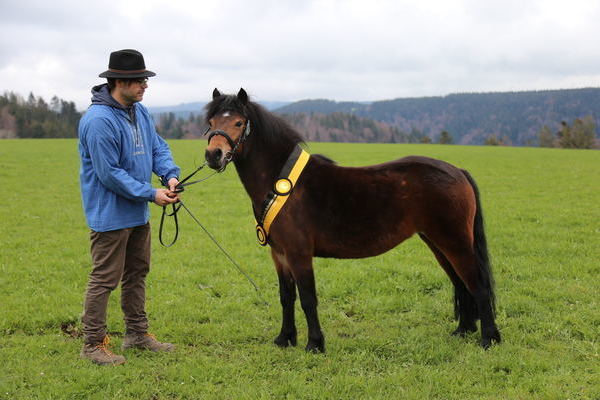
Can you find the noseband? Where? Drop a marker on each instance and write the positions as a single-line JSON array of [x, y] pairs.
[[230, 154]]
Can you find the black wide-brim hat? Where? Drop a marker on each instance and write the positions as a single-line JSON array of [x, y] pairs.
[[127, 63]]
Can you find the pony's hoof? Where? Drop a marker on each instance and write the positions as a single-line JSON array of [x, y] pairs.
[[489, 339], [315, 346], [463, 331], [286, 340]]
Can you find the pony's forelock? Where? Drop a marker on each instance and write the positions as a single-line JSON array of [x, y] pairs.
[[224, 103]]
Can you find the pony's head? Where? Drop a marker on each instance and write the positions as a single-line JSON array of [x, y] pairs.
[[228, 127], [235, 124]]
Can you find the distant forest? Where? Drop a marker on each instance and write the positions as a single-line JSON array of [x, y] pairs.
[[559, 118], [344, 127], [35, 118], [515, 118]]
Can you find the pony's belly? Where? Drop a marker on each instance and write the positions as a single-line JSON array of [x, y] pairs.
[[359, 247]]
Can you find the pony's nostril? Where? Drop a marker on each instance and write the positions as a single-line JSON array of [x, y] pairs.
[[218, 153]]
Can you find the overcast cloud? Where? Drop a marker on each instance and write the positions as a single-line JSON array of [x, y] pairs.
[[293, 49]]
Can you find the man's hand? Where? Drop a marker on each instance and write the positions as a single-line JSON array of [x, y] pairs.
[[173, 182], [164, 197]]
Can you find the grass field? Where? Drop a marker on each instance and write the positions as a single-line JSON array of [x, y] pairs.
[[386, 319]]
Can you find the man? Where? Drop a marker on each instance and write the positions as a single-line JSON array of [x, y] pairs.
[[119, 150]]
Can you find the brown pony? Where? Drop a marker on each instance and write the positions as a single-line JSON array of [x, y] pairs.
[[343, 212]]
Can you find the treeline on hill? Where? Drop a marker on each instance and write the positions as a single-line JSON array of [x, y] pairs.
[[509, 118], [344, 127], [35, 118], [335, 127], [169, 126], [562, 118]]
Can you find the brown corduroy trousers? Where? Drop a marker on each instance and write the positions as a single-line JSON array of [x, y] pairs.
[[122, 256]]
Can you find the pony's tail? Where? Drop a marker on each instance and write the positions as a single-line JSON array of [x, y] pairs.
[[480, 245]]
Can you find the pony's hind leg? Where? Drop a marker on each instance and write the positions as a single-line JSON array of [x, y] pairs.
[[287, 295], [480, 288], [465, 307], [489, 330], [477, 286]]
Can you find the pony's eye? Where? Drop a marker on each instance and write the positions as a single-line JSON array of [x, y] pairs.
[[238, 124]]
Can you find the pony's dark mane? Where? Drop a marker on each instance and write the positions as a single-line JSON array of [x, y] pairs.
[[272, 131], [324, 159]]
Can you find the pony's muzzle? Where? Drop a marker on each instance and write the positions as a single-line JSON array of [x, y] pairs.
[[215, 158]]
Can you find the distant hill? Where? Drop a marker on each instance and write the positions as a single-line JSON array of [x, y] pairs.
[[514, 118], [321, 106], [565, 118], [185, 110], [345, 127], [470, 118]]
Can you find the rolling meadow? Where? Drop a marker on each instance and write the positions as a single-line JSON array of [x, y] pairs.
[[387, 320]]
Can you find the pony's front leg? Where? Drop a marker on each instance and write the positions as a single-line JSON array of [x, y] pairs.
[[287, 295], [302, 271]]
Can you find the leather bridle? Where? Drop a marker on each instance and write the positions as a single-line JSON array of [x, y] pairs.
[[234, 146]]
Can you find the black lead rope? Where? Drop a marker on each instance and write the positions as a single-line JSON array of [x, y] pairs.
[[233, 262], [162, 222], [177, 206]]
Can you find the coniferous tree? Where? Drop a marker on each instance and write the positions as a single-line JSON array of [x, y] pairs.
[[492, 140], [445, 138], [546, 137]]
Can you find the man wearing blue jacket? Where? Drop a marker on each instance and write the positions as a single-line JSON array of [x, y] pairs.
[[119, 150]]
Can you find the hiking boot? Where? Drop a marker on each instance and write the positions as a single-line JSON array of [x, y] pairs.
[[145, 341], [100, 354]]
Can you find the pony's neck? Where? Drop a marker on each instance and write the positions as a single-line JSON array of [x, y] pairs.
[[259, 169]]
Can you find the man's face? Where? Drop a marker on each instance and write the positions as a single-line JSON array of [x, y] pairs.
[[131, 91]]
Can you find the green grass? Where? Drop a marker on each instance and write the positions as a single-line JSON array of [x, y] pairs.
[[386, 319]]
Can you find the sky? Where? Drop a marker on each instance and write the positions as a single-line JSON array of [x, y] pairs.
[[289, 50]]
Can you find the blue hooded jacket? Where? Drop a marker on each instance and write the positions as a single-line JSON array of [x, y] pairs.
[[119, 150]]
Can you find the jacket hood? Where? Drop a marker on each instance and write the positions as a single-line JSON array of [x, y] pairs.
[[101, 96]]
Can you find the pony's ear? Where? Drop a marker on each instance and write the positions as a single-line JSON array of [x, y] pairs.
[[216, 93], [242, 96]]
